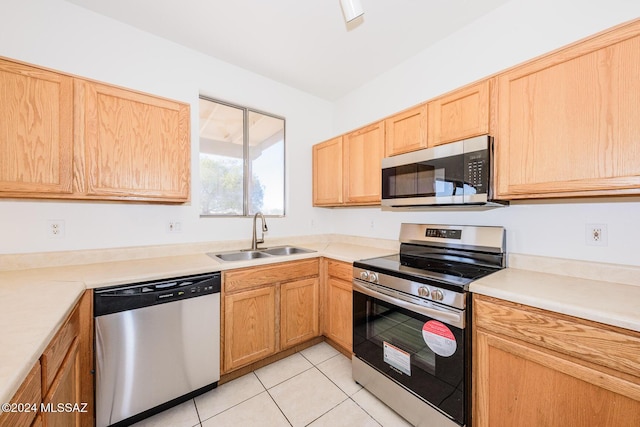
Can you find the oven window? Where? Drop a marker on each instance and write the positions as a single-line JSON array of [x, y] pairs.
[[399, 344], [392, 326]]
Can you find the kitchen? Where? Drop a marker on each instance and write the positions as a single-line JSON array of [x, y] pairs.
[[65, 37]]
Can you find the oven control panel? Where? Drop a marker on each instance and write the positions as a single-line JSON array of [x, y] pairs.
[[369, 276], [421, 290]]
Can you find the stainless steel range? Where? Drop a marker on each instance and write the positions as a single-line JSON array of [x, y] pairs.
[[412, 318]]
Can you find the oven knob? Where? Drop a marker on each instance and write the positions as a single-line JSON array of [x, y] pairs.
[[437, 295], [423, 291], [373, 277], [364, 275]]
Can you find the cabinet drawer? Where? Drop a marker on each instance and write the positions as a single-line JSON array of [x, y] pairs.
[[29, 392], [340, 270], [592, 342], [56, 352], [246, 278]]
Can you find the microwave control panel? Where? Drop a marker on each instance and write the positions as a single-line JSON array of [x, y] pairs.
[[476, 173]]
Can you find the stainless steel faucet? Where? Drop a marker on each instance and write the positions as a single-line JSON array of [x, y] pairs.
[[255, 241]]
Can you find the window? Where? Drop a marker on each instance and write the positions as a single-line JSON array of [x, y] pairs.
[[241, 161]]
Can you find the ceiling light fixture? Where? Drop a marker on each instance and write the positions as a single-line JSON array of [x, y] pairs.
[[351, 9]]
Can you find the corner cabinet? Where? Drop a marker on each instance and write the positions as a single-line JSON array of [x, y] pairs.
[[568, 123], [346, 169], [62, 137], [536, 368], [327, 173], [461, 114], [268, 309]]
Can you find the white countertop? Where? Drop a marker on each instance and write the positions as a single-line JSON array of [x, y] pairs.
[[35, 301], [30, 315]]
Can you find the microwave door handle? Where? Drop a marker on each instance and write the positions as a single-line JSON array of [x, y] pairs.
[[451, 318]]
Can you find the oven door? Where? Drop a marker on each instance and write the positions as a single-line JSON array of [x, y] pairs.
[[421, 347]]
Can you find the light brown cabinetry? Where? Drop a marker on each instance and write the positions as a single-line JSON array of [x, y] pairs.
[[63, 375], [36, 131], [363, 153], [268, 309], [30, 392], [406, 131], [67, 138], [131, 145], [461, 114], [327, 173], [338, 305], [537, 368], [346, 169], [299, 311], [568, 123]]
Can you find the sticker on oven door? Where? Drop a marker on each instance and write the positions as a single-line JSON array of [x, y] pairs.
[[398, 359], [439, 338]]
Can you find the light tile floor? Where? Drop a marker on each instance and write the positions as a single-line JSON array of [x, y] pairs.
[[311, 388]]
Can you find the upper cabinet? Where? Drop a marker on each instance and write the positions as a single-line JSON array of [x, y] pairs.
[[459, 115], [64, 137], [406, 131], [36, 131], [363, 151], [132, 145], [346, 169], [327, 173], [568, 122]]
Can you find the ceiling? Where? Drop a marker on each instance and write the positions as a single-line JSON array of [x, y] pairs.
[[301, 43]]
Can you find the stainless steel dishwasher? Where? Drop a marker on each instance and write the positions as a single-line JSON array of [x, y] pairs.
[[157, 344]]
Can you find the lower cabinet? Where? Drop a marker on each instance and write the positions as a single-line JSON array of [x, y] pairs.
[[268, 309], [60, 385], [537, 368], [338, 307]]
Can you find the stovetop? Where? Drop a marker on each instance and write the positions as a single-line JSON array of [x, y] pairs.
[[448, 275]]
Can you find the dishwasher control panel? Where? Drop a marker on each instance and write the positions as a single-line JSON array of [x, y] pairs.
[[129, 297]]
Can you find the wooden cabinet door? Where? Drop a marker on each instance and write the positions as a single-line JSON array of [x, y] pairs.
[[64, 390], [134, 146], [536, 368], [362, 155], [519, 384], [327, 173], [299, 311], [568, 122], [406, 131], [30, 392], [339, 318], [249, 327], [36, 131], [459, 115]]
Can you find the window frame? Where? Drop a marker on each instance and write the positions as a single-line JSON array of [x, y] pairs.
[[246, 163]]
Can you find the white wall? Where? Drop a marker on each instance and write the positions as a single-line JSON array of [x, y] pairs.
[[513, 33], [65, 37]]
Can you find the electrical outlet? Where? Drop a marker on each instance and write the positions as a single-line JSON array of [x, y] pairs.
[[596, 235], [174, 226], [55, 228]]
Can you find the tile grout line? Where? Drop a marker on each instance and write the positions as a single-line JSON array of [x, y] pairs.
[[233, 406]]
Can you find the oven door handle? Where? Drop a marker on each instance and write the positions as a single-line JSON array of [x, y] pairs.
[[450, 317]]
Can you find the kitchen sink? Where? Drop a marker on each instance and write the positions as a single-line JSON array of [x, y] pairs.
[[239, 255], [286, 250], [246, 255]]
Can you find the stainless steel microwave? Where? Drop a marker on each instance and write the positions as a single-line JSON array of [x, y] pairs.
[[458, 173]]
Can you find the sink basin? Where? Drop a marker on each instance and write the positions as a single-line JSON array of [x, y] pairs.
[[247, 255], [239, 255], [286, 250]]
